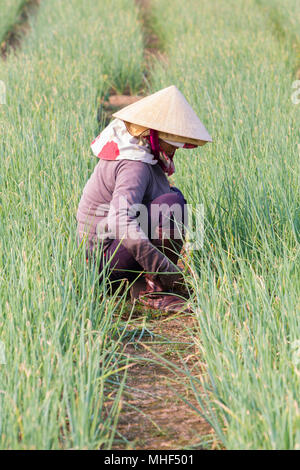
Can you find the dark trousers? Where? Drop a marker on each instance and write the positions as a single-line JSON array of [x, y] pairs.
[[123, 265]]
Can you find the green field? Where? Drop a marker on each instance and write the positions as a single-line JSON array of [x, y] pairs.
[[9, 10], [239, 72], [235, 62], [55, 329]]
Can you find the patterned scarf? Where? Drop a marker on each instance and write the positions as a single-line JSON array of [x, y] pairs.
[[116, 143]]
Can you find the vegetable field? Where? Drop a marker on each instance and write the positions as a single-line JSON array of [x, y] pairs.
[[9, 10], [63, 378]]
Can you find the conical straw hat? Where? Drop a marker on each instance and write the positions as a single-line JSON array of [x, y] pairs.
[[168, 112]]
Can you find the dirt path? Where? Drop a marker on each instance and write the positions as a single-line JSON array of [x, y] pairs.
[[14, 36], [152, 41], [152, 50], [154, 416]]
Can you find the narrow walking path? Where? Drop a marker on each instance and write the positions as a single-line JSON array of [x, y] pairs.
[[152, 41], [157, 408], [115, 101]]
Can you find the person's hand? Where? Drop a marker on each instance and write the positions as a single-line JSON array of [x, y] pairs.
[[169, 281], [175, 282], [161, 282]]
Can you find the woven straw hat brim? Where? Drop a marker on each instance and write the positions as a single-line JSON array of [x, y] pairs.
[[168, 112], [140, 131]]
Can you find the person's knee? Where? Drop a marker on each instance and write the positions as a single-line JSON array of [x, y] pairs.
[[179, 194], [174, 196], [168, 216]]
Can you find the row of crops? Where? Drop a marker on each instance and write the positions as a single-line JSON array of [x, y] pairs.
[[236, 63], [62, 347], [283, 17]]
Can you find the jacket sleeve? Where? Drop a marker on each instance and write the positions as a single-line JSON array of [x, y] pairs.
[[132, 180]]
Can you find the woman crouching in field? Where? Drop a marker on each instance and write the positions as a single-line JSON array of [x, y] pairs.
[[128, 206]]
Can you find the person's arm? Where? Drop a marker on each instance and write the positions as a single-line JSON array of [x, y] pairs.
[[132, 179]]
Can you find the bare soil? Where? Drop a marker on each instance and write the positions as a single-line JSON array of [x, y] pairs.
[[120, 101], [152, 50], [157, 404], [113, 103], [152, 41], [156, 411]]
